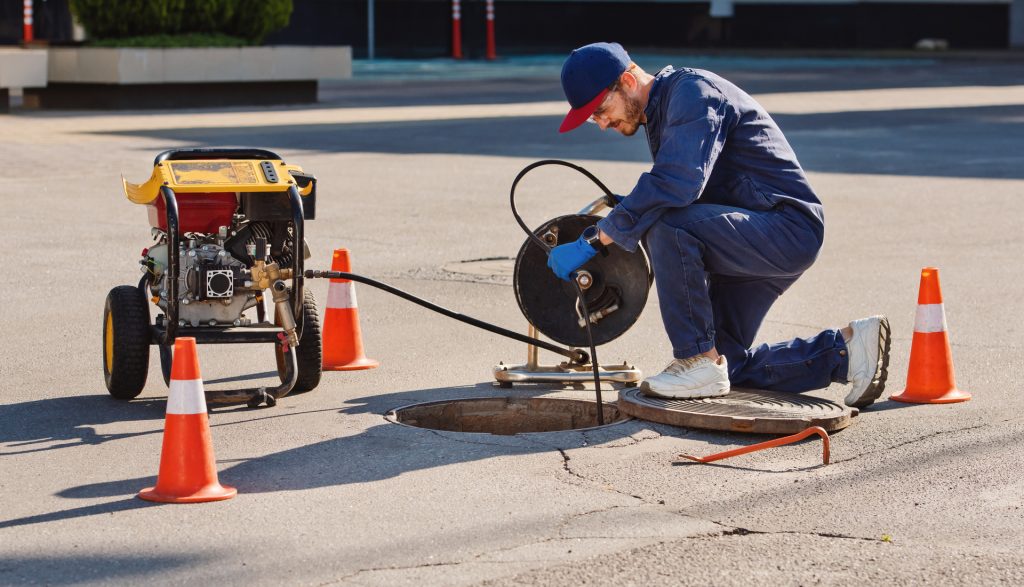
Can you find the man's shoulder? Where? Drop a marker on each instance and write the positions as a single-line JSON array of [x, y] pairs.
[[686, 87], [693, 83]]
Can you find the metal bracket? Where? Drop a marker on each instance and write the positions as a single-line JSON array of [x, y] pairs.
[[564, 373]]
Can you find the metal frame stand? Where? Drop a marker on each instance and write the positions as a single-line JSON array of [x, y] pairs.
[[564, 373]]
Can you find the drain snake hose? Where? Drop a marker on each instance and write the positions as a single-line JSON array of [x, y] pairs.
[[574, 355], [544, 247]]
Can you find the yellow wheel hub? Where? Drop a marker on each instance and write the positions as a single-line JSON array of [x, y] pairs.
[[108, 343]]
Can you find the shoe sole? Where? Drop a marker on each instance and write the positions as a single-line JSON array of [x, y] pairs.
[[877, 385], [702, 393]]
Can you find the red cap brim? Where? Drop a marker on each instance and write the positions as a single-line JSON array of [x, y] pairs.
[[578, 116]]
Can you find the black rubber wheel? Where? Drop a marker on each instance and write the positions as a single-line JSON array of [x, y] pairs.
[[309, 353], [126, 337]]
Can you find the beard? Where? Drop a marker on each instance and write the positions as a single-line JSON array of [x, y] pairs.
[[630, 122]]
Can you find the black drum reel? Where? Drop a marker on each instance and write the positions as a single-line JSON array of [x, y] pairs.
[[615, 284], [604, 298]]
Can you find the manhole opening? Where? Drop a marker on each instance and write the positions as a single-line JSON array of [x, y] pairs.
[[506, 415]]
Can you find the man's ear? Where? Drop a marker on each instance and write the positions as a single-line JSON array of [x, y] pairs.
[[628, 80]]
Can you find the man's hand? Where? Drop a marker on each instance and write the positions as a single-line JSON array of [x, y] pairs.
[[564, 259]]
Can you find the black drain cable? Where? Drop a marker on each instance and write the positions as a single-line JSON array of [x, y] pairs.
[[544, 247], [576, 356]]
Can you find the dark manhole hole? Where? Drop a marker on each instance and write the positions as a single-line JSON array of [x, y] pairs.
[[506, 415]]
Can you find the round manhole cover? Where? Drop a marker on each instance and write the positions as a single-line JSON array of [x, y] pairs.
[[489, 267], [506, 415], [743, 410]]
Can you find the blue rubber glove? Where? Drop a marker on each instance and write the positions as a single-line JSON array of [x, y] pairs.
[[564, 259]]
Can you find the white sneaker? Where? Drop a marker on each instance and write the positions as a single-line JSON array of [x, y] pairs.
[[694, 377], [868, 361]]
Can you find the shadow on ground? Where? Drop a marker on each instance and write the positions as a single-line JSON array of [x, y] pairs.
[[79, 569], [379, 451], [917, 142], [61, 422], [757, 75]]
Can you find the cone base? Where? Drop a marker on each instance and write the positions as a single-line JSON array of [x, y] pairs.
[[214, 492], [356, 365], [950, 397]]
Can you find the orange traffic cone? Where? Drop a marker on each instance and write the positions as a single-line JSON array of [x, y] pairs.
[[930, 377], [187, 470], [343, 340]]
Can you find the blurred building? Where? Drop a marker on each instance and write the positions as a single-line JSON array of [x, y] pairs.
[[419, 28], [51, 20], [422, 28]]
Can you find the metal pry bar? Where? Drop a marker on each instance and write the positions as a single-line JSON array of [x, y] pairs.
[[770, 444]]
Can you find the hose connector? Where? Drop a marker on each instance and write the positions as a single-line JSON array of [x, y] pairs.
[[279, 289], [580, 357]]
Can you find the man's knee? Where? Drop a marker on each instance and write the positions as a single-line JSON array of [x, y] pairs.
[[658, 235], [666, 238]]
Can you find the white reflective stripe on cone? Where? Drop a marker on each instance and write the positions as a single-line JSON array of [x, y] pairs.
[[930, 318], [186, 397], [341, 295]]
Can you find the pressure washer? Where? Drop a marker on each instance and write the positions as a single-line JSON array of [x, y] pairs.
[[228, 229]]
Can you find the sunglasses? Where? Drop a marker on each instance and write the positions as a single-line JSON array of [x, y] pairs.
[[603, 107]]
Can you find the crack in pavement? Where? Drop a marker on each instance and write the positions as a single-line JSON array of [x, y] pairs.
[[559, 536], [477, 558], [635, 441], [565, 466], [559, 532], [926, 437], [376, 569], [740, 531], [746, 531], [443, 276]]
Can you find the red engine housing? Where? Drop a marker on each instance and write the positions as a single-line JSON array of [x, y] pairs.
[[203, 212]]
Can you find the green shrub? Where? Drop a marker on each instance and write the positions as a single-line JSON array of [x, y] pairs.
[[124, 18], [107, 20], [184, 40], [259, 18], [209, 16]]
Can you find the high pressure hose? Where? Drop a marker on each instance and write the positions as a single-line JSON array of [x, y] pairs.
[[574, 355], [544, 247]]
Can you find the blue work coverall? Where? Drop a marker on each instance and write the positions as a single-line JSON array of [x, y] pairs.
[[730, 222]]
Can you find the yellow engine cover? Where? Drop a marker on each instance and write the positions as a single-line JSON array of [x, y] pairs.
[[215, 175]]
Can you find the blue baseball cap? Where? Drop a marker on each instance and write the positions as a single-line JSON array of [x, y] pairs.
[[586, 75]]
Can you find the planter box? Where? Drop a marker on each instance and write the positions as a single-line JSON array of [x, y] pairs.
[[96, 77], [20, 68]]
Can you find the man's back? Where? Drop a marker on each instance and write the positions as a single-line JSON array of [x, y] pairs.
[[755, 167]]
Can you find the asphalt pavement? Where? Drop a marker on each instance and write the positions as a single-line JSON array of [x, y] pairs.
[[919, 161]]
